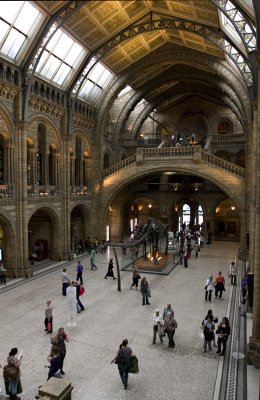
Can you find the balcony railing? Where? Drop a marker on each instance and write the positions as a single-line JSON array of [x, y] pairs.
[[190, 154]]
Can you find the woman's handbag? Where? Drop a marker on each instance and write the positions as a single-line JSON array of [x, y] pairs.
[[10, 371], [81, 290], [49, 326], [149, 293], [118, 360], [133, 367]]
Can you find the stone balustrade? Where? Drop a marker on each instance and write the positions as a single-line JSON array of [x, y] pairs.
[[192, 154]]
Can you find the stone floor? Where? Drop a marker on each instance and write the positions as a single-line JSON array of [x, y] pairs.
[[181, 374]]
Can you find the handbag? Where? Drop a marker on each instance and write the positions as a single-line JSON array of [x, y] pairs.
[[49, 326], [118, 360], [81, 290], [10, 371], [149, 293], [133, 367]]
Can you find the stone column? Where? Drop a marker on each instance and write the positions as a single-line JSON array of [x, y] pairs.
[[253, 356], [72, 170], [56, 168], [67, 168], [23, 268]]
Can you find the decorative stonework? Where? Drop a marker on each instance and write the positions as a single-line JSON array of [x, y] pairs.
[[8, 91], [78, 120], [46, 107]]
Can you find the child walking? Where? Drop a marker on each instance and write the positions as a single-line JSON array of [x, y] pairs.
[[48, 317]]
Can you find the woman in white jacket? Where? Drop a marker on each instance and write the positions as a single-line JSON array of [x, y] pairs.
[[209, 287]]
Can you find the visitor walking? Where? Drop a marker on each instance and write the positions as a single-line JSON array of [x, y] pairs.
[[122, 359], [92, 259], [80, 306], [54, 367], [110, 272], [14, 383], [209, 287], [233, 273], [65, 280], [219, 285], [79, 270], [145, 290], [62, 339], [170, 324], [166, 310], [157, 325], [136, 277], [48, 317]]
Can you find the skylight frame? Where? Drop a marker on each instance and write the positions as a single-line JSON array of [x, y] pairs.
[[98, 79], [53, 65], [16, 28]]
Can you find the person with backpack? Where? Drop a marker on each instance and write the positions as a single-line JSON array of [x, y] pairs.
[[208, 331]]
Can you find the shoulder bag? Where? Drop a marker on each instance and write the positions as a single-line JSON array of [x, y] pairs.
[[10, 371]]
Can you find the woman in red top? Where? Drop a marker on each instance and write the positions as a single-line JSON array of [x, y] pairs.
[[219, 285]]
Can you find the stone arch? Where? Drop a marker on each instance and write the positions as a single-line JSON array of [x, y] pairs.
[[202, 61], [80, 220], [6, 123], [8, 245], [122, 181], [44, 229], [223, 126], [227, 220]]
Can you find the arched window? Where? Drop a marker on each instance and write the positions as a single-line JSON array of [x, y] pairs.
[[41, 179], [186, 214], [106, 161], [78, 161], [200, 215], [224, 127], [52, 180]]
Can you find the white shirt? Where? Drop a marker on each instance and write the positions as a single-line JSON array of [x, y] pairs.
[[157, 319]]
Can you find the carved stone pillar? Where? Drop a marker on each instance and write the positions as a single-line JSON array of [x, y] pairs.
[[72, 170], [253, 356]]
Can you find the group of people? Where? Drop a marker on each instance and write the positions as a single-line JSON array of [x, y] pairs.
[[210, 332], [217, 284], [164, 324]]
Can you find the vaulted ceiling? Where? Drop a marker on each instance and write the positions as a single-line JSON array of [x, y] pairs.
[[124, 34]]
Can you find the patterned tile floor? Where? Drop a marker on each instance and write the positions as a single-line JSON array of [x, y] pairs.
[[181, 374]]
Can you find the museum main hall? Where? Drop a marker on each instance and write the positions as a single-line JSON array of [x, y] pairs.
[[113, 114]]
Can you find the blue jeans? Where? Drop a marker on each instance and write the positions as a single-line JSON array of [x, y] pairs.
[[80, 305], [145, 297], [123, 372], [93, 265]]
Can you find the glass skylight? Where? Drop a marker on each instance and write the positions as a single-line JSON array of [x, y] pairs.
[[237, 27], [124, 91], [18, 19], [97, 79], [60, 58]]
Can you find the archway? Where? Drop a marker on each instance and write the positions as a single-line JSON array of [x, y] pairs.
[[226, 221], [8, 254], [44, 236], [79, 217]]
